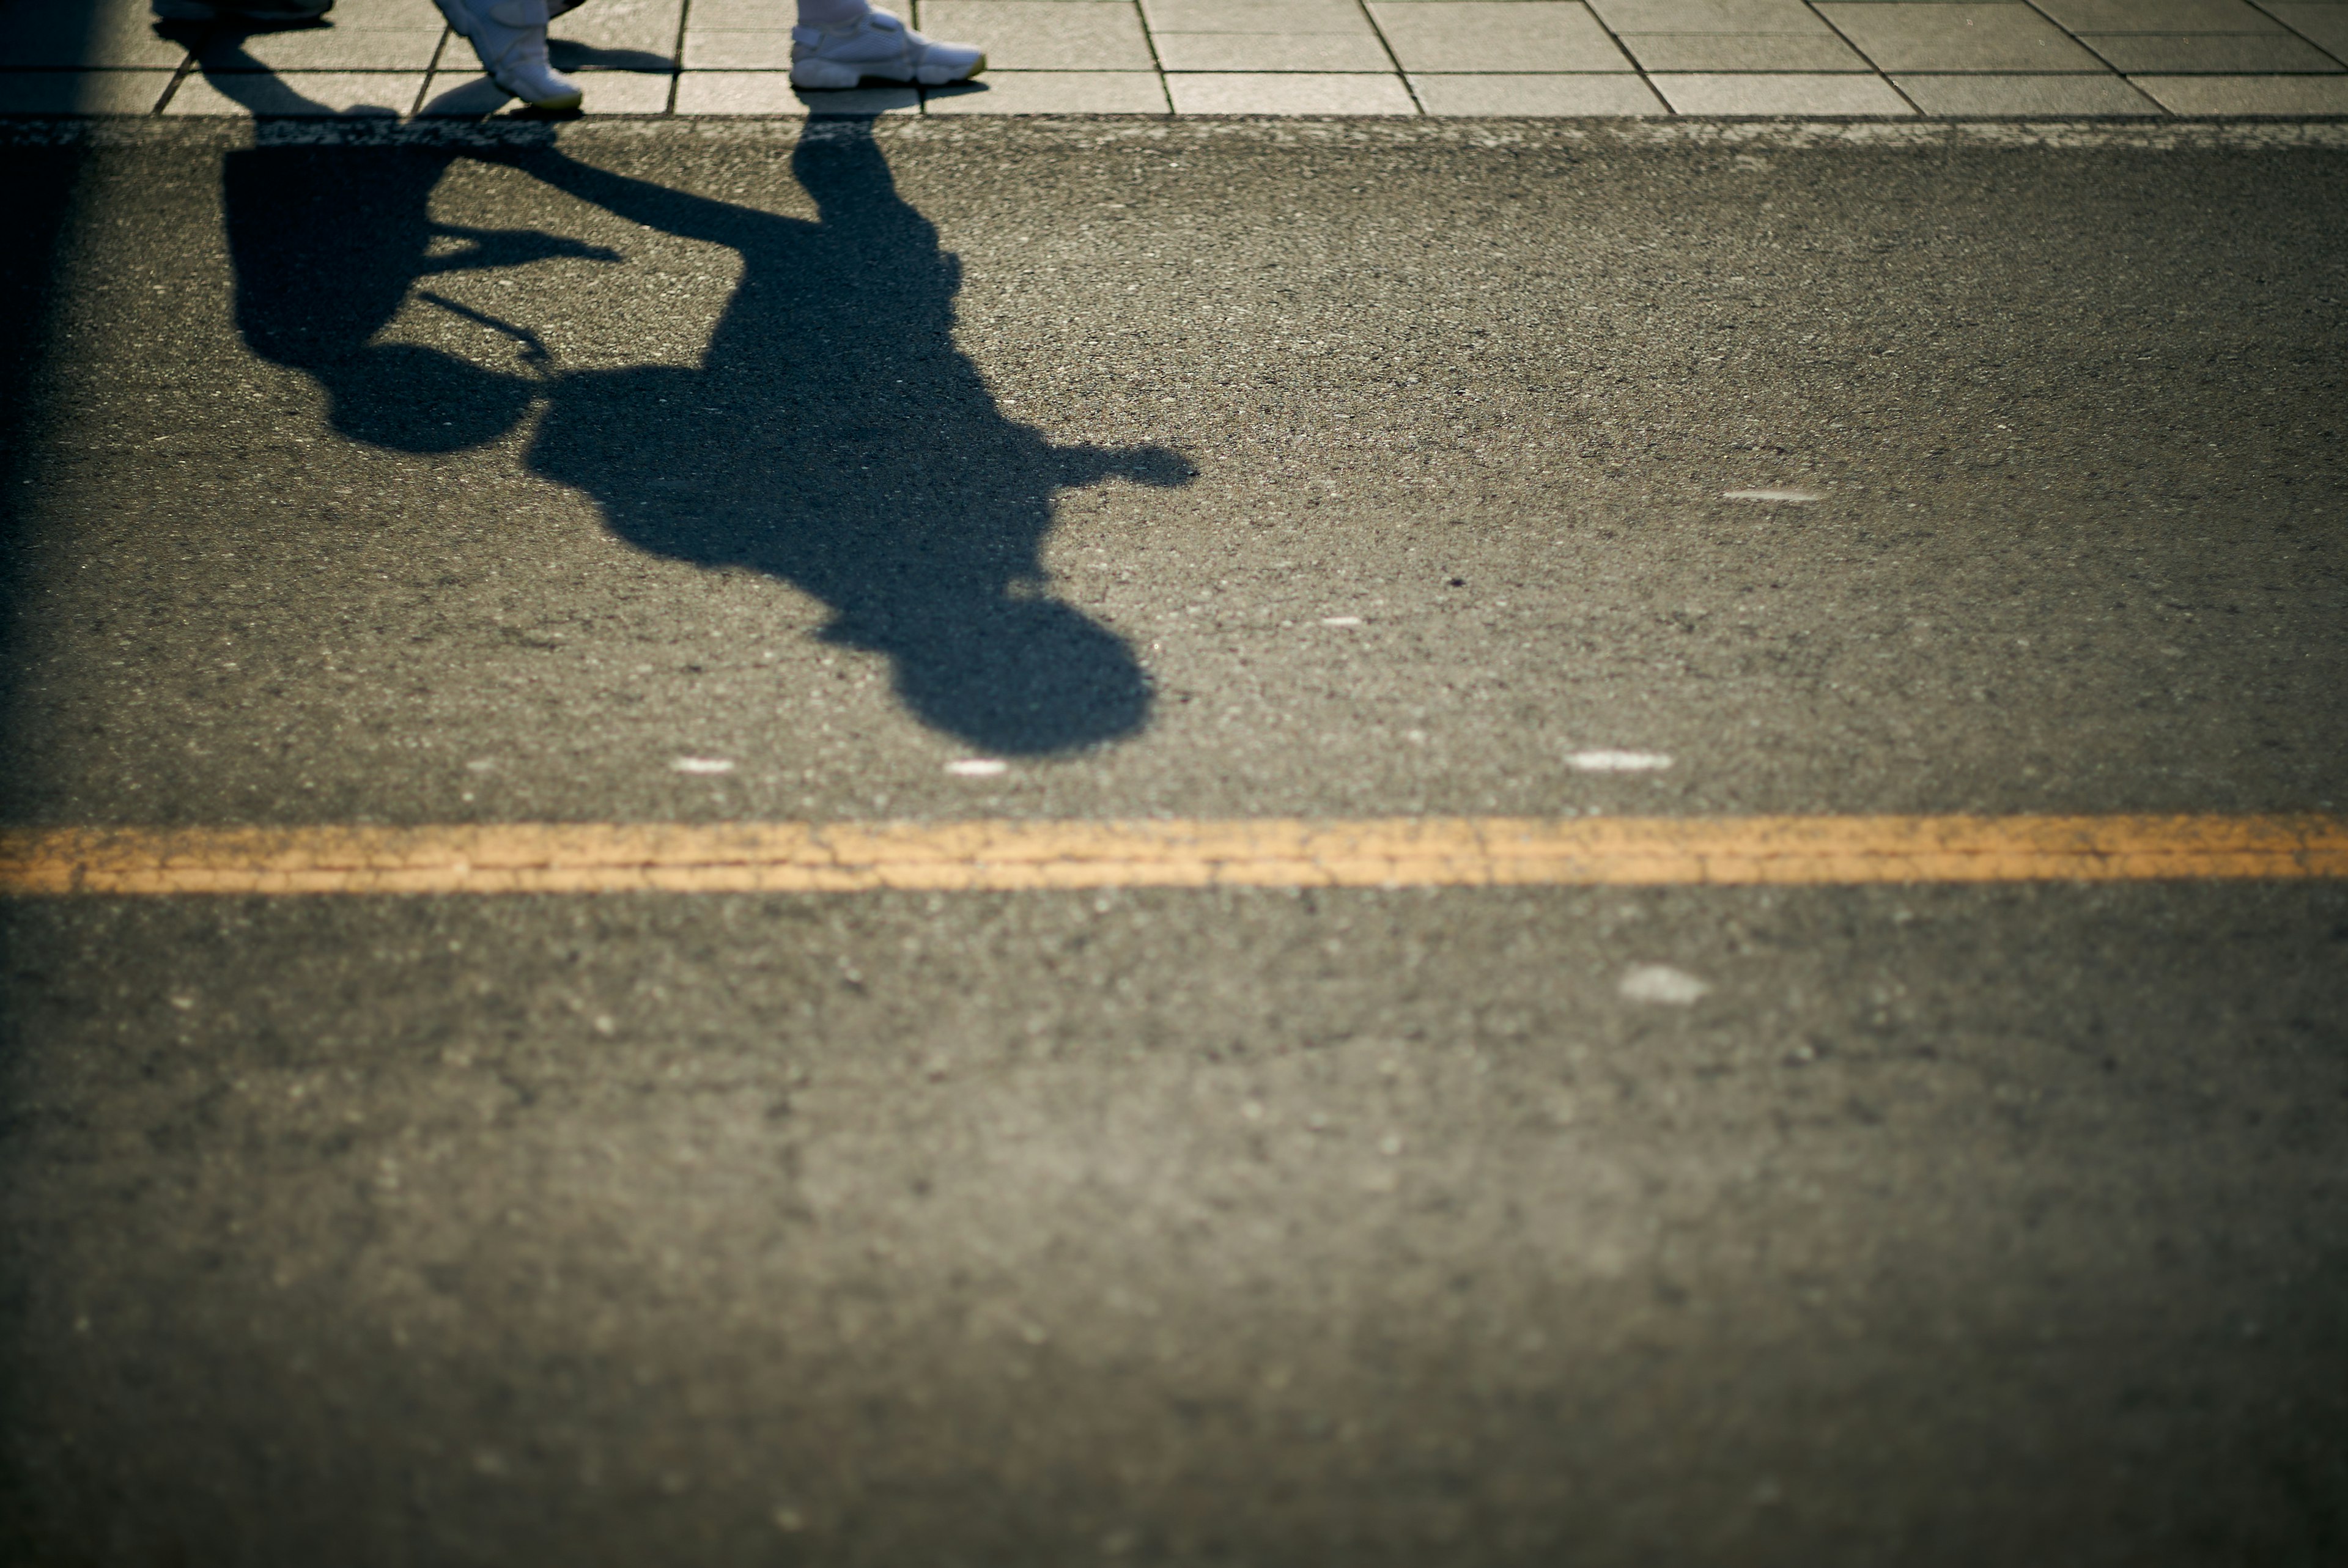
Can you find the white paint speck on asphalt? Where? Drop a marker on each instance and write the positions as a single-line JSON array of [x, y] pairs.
[[1771, 496], [1618, 762], [702, 765], [1340, 621], [1661, 983], [976, 767]]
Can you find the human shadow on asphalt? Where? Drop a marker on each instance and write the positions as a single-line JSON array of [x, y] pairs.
[[833, 436]]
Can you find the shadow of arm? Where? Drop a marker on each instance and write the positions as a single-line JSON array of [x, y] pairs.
[[1159, 468], [672, 211]]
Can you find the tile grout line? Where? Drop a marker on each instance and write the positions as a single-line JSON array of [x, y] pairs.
[[676, 59], [2039, 11], [2262, 7], [1157, 63], [1387, 48], [1852, 44], [431, 69], [1615, 38], [180, 74]]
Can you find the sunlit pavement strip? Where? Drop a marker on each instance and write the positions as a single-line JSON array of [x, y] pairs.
[[1556, 57], [1002, 856]]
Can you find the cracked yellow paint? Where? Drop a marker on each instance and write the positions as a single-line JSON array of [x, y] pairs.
[[1398, 852]]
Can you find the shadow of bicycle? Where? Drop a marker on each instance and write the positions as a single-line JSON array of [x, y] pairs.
[[832, 435]]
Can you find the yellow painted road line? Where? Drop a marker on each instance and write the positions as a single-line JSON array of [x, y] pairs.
[[1398, 852]]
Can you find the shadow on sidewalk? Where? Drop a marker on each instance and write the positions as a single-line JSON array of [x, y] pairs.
[[832, 437]]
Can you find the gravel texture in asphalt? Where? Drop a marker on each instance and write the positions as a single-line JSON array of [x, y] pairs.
[[697, 473]]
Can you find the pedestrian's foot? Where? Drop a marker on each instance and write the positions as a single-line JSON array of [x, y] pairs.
[[510, 36], [878, 46]]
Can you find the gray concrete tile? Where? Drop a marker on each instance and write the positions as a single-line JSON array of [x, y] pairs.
[[622, 28], [1743, 52], [2221, 54], [357, 94], [1053, 92], [2158, 16], [1709, 16], [1962, 37], [2029, 95], [462, 94], [771, 92], [468, 95], [2326, 25], [1255, 17], [335, 48], [1488, 92], [90, 34], [737, 51], [1726, 94], [386, 16], [743, 15], [1272, 52], [1045, 34], [1270, 93], [82, 92], [2248, 95], [624, 92], [1519, 35]]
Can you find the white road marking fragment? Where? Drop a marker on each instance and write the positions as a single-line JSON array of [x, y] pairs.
[[702, 765], [1771, 496], [1661, 983], [1340, 621], [1618, 762], [976, 767]]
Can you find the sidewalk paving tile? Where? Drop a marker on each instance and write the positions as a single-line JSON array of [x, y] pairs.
[[770, 92], [337, 47], [1272, 52], [738, 16], [1488, 92], [624, 92], [105, 92], [52, 34], [1521, 35], [1045, 34], [767, 49], [2235, 54], [1780, 95], [1053, 92], [462, 94], [303, 94], [466, 94], [622, 28], [1961, 96], [2326, 22], [2248, 95], [1269, 93], [2158, 16], [2004, 37], [1743, 52], [1710, 16]]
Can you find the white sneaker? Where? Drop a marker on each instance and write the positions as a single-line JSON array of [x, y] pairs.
[[510, 35], [878, 45]]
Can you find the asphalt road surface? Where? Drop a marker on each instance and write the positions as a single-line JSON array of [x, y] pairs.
[[699, 472]]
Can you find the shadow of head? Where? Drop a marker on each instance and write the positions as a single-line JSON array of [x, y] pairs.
[[832, 435]]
